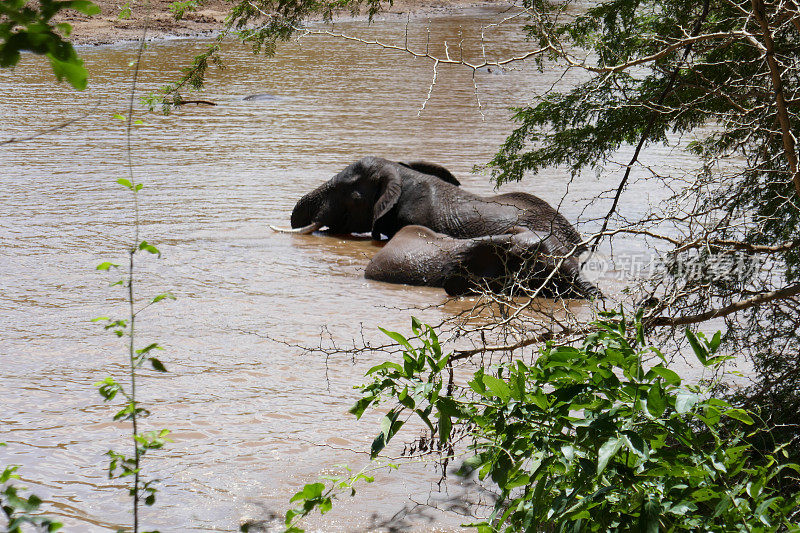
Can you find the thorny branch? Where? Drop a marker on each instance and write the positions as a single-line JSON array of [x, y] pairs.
[[646, 133]]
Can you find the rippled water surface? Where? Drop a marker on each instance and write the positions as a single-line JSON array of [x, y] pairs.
[[251, 419]]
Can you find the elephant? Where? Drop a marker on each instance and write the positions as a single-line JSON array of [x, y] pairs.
[[416, 255], [381, 196]]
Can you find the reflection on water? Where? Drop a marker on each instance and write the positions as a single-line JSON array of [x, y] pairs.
[[252, 419]]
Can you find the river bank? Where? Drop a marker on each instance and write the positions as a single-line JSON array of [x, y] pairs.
[[108, 27]]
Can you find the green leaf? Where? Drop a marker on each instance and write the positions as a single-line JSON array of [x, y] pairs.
[[385, 366], [125, 183], [682, 508], [498, 387], [399, 339], [8, 473], [685, 401], [711, 415], [477, 383], [72, 69], [157, 365], [739, 414], [656, 401], [715, 341], [389, 426], [448, 405], [125, 12], [666, 374], [445, 425], [519, 481], [163, 296], [311, 491], [406, 400], [607, 451], [84, 6], [635, 443], [361, 406], [149, 248], [649, 517], [148, 348], [106, 265], [699, 350]]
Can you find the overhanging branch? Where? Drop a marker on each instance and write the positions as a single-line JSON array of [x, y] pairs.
[[781, 294]]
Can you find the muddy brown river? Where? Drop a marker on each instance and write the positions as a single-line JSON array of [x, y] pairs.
[[252, 419]]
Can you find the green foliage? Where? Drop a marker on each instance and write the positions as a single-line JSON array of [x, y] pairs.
[[278, 20], [26, 26], [648, 81], [125, 11], [20, 511], [179, 8], [581, 127], [590, 438], [121, 465], [647, 85], [317, 496]]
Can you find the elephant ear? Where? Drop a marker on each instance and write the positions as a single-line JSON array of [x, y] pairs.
[[391, 186], [432, 169]]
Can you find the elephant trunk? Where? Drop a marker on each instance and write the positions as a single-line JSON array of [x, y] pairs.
[[587, 289], [576, 285], [307, 210]]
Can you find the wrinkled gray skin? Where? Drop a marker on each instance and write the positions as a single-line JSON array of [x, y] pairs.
[[419, 256], [380, 196]]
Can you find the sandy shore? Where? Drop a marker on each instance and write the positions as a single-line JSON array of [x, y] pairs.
[[107, 27]]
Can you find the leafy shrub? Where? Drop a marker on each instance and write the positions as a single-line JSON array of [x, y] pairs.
[[590, 438]]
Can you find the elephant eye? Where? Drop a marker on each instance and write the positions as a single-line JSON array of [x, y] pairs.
[[355, 195]]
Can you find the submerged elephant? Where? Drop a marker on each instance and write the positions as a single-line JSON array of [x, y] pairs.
[[419, 256], [380, 196]]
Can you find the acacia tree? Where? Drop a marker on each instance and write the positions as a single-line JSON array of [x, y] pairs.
[[726, 71]]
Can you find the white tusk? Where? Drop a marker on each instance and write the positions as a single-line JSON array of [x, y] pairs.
[[314, 226]]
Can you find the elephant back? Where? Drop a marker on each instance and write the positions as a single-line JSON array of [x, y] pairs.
[[432, 169], [540, 216]]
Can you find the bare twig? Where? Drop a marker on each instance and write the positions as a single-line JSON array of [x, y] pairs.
[[60, 125]]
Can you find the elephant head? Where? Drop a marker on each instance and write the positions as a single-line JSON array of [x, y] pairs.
[[353, 200], [358, 196]]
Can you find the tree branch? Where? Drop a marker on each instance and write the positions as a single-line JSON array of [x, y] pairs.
[[543, 337], [646, 133], [780, 99], [788, 292]]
